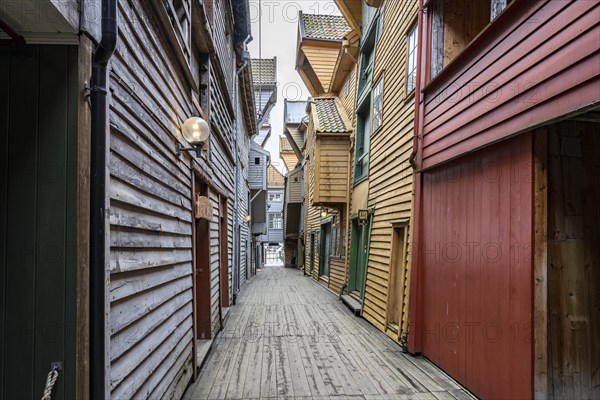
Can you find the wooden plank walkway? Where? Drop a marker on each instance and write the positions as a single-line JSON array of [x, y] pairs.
[[290, 338]]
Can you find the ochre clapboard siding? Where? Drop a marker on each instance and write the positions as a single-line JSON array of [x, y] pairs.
[[332, 155], [322, 60], [513, 91], [311, 213], [390, 174]]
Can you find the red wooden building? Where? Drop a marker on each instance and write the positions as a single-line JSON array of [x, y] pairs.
[[505, 290]]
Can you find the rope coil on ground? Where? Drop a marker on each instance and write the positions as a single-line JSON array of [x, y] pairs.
[[50, 381]]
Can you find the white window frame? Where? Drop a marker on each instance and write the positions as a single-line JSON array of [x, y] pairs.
[[412, 41], [377, 105]]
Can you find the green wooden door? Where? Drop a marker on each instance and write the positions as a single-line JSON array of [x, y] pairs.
[[359, 255], [38, 132], [324, 249]]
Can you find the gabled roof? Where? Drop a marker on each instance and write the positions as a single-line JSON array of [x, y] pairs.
[[323, 27], [329, 119], [264, 71], [274, 177]]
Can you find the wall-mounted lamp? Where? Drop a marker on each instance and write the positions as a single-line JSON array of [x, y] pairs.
[[248, 218], [324, 213], [195, 131]]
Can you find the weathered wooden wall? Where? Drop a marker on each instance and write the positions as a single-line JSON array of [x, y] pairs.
[[151, 324], [390, 173], [503, 85], [573, 260]]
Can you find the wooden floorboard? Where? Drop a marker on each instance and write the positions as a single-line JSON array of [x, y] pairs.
[[290, 338]]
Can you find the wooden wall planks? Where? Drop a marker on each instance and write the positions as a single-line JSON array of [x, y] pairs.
[[573, 261], [151, 322], [390, 174], [502, 89]]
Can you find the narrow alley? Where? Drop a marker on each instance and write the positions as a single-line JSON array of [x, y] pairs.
[[290, 338]]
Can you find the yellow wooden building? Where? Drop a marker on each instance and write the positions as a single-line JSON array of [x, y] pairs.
[[361, 69], [382, 184]]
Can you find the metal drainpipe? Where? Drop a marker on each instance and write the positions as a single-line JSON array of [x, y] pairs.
[[416, 124], [99, 120], [236, 220]]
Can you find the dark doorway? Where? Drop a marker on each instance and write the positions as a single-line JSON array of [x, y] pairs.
[[359, 254], [312, 253], [202, 235]]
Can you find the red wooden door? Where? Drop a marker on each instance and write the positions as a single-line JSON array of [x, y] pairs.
[[476, 253]]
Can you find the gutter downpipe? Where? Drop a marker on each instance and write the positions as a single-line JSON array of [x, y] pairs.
[[413, 343], [99, 126], [413, 155], [236, 221]]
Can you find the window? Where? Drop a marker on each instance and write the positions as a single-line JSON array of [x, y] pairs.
[[411, 72], [361, 146], [377, 104], [275, 221], [364, 102], [450, 35], [179, 13], [275, 197], [257, 161]]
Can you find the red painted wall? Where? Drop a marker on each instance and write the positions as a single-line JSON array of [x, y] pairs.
[[476, 266], [536, 62]]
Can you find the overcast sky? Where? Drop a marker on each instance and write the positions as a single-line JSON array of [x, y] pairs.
[[279, 31]]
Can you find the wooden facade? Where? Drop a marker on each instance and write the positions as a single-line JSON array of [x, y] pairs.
[[390, 176], [165, 69], [522, 96]]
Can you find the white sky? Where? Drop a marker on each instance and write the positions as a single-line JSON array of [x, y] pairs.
[[279, 30]]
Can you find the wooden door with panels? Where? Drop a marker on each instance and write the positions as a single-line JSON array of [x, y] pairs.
[[202, 263], [396, 279]]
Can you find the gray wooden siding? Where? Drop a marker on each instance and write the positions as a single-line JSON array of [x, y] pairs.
[[257, 172], [150, 215]]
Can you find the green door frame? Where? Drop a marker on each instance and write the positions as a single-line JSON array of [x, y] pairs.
[[312, 252], [354, 254], [324, 249]]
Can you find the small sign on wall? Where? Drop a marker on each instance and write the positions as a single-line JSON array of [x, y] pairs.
[[204, 208], [363, 217]]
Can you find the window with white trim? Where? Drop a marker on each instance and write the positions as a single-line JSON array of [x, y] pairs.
[[377, 104], [275, 197], [275, 221], [411, 72]]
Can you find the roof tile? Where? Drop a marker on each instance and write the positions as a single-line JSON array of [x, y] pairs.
[[324, 27], [328, 114], [263, 70]]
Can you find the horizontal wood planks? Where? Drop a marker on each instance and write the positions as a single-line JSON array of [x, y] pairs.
[[150, 213], [332, 155], [390, 173], [522, 74], [291, 338]]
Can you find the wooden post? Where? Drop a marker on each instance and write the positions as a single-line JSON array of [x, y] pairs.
[[82, 373], [540, 265]]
